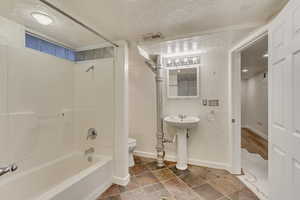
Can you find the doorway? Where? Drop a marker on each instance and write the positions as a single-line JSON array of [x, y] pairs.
[[249, 70], [254, 116]]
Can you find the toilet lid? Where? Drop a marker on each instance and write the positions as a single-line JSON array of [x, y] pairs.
[[131, 141]]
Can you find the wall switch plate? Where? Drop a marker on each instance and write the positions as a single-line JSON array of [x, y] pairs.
[[214, 102]]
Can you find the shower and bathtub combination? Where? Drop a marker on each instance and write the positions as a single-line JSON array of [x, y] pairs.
[[63, 122], [61, 138]]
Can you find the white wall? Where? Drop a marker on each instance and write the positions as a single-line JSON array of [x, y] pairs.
[[93, 104], [11, 33], [38, 95], [38, 111], [142, 101], [36, 101], [255, 104], [244, 86], [101, 102], [208, 144]]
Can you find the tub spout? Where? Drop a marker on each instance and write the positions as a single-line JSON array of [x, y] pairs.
[[89, 151]]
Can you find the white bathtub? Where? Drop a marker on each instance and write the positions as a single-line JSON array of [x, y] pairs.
[[68, 178]]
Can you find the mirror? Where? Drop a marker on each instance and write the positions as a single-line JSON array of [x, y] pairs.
[[183, 82]]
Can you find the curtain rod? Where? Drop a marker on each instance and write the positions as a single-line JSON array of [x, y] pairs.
[[77, 22]]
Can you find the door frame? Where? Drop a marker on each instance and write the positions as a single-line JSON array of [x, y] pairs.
[[234, 123]]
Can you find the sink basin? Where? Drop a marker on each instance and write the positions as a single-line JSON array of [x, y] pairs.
[[184, 123]]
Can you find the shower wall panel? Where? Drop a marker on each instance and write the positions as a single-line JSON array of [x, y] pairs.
[[94, 104], [36, 120]]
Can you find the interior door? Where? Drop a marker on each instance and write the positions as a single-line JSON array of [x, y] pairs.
[[284, 104]]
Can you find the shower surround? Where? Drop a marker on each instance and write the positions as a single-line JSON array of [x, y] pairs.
[[47, 105]]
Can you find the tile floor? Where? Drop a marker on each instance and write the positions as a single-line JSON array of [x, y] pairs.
[[196, 183]]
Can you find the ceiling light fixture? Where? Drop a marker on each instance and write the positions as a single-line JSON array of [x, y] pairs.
[[42, 18], [245, 70]]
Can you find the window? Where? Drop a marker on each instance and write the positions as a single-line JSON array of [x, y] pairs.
[[48, 47]]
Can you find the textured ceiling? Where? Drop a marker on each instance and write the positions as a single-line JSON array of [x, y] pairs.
[[253, 60], [196, 44], [130, 19]]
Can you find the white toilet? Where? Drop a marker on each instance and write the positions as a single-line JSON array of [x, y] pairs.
[[131, 147]]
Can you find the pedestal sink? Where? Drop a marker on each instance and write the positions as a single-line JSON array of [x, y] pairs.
[[183, 125]]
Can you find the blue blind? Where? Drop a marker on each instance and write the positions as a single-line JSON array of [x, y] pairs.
[[48, 47]]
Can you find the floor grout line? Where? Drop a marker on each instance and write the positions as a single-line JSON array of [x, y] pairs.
[[190, 188], [179, 179]]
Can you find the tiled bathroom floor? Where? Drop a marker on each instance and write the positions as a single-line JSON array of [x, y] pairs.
[[196, 183]]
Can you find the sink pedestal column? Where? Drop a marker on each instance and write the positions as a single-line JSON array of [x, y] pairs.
[[182, 158]]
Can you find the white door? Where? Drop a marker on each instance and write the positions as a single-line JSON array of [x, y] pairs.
[[284, 104]]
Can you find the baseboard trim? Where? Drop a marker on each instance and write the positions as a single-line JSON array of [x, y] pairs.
[[257, 132], [95, 195], [121, 181], [259, 194], [192, 161], [145, 154]]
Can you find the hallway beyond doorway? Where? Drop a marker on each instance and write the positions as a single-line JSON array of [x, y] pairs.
[[254, 143]]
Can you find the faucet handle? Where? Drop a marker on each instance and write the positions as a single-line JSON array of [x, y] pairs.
[[10, 168], [92, 133], [13, 167]]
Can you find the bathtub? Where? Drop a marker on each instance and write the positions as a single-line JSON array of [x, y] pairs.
[[72, 177]]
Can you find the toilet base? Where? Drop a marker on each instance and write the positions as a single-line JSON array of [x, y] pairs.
[[131, 160]]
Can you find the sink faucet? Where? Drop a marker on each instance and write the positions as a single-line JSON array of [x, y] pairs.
[[10, 168], [182, 116]]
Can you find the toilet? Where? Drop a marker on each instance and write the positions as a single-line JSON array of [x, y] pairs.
[[131, 147]]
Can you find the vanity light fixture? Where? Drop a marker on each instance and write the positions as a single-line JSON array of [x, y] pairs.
[[188, 53], [42, 18], [245, 70]]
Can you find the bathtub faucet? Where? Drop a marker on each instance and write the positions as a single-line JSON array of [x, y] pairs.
[[10, 168], [92, 133], [89, 151]]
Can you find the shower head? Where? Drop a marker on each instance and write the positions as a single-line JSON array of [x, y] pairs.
[[90, 68]]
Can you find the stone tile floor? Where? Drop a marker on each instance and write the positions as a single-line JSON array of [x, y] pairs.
[[196, 183]]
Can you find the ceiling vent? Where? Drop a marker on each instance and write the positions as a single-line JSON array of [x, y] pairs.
[[152, 36]]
